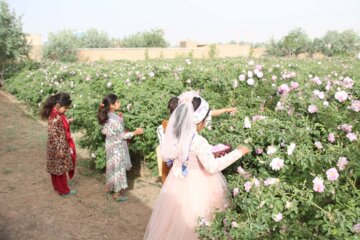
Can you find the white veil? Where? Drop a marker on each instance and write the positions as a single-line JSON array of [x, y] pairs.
[[180, 130]]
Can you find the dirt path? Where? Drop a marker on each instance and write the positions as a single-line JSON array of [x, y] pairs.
[[30, 209]]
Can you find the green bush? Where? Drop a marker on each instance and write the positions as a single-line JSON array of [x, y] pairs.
[[146, 39], [61, 46]]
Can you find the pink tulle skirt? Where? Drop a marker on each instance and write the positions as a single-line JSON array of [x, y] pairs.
[[182, 201]]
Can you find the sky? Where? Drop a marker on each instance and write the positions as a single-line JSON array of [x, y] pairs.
[[204, 21]]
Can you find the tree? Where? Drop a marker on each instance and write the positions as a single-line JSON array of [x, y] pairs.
[[344, 44], [13, 44], [146, 39], [62, 46], [95, 39], [296, 42], [275, 48], [316, 46]]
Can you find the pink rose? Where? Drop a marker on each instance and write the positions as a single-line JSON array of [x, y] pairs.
[[277, 164], [341, 163], [271, 181], [348, 82], [294, 85], [332, 174], [234, 224], [318, 145], [278, 217], [355, 105], [312, 108], [345, 127], [341, 96], [317, 80], [356, 228], [318, 185], [242, 77], [248, 186], [235, 192], [351, 136], [331, 137]]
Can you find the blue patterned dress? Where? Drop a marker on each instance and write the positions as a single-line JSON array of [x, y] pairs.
[[117, 153]]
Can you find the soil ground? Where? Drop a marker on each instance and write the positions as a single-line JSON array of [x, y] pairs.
[[30, 209]]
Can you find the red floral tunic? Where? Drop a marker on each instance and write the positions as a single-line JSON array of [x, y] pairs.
[[57, 142]]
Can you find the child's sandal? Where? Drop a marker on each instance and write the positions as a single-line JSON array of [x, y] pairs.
[[72, 192], [121, 199]]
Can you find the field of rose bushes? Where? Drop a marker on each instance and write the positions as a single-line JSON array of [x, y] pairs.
[[299, 117]]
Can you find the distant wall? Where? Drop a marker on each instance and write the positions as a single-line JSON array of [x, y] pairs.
[[187, 49], [228, 50], [36, 52], [36, 46]]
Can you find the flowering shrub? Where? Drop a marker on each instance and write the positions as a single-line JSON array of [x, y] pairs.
[[299, 117]]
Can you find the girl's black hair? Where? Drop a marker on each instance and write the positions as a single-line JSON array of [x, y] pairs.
[[105, 107], [172, 104], [61, 98], [174, 101]]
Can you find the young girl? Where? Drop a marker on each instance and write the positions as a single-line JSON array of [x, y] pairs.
[[164, 169], [61, 150], [195, 186], [117, 152]]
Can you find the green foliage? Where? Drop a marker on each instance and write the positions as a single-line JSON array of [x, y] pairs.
[[13, 45], [61, 46], [146, 39], [340, 44], [295, 42], [94, 39], [145, 87], [333, 43]]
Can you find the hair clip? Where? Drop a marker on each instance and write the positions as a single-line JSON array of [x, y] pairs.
[[102, 105]]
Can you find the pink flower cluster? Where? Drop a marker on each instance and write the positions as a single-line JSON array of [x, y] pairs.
[[258, 117], [341, 96], [348, 129], [283, 89], [258, 71], [345, 127], [319, 94], [316, 80], [347, 82], [287, 75], [271, 181], [294, 85]]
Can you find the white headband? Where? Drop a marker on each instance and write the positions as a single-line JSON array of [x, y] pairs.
[[201, 112]]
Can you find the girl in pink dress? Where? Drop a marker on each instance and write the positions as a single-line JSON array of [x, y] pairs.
[[195, 186]]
